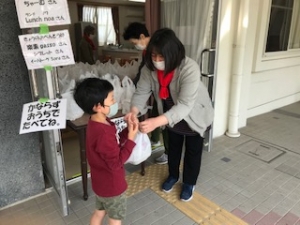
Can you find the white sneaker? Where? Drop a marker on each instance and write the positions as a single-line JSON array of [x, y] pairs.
[[163, 159], [155, 145]]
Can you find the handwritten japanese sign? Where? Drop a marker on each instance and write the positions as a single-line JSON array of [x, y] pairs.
[[32, 13], [52, 49], [38, 116]]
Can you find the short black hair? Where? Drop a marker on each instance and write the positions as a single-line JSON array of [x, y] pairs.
[[134, 30], [90, 92], [165, 42], [88, 30]]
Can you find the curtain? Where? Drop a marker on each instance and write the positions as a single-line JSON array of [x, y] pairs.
[[106, 31], [152, 14], [192, 22], [115, 18], [102, 16], [89, 14]]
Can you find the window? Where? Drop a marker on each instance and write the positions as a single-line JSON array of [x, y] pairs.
[[279, 25], [102, 16], [283, 32], [278, 39]]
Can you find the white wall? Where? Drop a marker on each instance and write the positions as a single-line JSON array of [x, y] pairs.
[[275, 80], [273, 89], [262, 88]]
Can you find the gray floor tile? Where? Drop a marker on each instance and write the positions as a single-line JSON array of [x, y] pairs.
[[229, 177]]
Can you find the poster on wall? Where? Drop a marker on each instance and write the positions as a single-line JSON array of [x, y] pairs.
[[32, 13], [39, 116], [51, 49]]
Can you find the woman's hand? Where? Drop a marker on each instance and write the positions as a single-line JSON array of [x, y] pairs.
[[147, 125], [151, 124]]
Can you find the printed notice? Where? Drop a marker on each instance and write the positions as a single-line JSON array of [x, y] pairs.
[[39, 116], [32, 13], [52, 49], [119, 123]]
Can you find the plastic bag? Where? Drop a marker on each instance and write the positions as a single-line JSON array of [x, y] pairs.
[[128, 91], [73, 110], [142, 149], [118, 90]]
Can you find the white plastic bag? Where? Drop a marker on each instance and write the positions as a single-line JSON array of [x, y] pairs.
[[73, 110], [142, 149], [118, 90], [128, 91]]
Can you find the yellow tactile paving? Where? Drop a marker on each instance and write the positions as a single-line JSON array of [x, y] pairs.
[[199, 209]]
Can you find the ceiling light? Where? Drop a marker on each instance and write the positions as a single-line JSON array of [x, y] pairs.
[[137, 0]]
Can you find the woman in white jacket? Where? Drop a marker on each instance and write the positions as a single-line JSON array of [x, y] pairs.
[[184, 106]]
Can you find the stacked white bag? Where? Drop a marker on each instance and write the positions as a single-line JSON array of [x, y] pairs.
[[113, 72], [118, 90], [128, 90]]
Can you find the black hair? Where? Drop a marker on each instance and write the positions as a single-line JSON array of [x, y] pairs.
[[90, 92], [88, 30], [134, 30], [165, 42]]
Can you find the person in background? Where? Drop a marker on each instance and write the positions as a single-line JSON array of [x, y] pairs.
[[183, 103], [138, 35], [86, 46], [106, 150]]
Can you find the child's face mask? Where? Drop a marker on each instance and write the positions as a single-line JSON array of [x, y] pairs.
[[113, 109]]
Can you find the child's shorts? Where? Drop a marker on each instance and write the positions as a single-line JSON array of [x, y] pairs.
[[115, 207]]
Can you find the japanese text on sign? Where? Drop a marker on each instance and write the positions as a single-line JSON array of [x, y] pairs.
[[39, 116], [32, 13], [52, 49]]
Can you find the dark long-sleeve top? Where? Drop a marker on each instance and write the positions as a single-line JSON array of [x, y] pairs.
[[106, 153], [86, 52]]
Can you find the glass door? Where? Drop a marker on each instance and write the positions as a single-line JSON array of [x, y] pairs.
[[44, 85], [208, 65]]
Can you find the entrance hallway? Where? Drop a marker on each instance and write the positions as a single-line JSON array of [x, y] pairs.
[[256, 177]]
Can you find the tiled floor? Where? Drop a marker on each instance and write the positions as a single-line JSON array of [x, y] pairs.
[[261, 186]]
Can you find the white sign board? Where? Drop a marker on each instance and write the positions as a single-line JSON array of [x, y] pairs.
[[39, 116], [32, 13], [52, 49]]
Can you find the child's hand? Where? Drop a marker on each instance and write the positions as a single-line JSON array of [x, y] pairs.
[[133, 126]]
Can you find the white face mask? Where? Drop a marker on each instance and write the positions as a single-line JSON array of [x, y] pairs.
[[140, 47], [113, 109], [159, 65]]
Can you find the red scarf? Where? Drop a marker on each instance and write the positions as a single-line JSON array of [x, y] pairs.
[[164, 81], [87, 38]]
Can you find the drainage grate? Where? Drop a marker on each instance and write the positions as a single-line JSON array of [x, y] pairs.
[[225, 159], [260, 150]]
